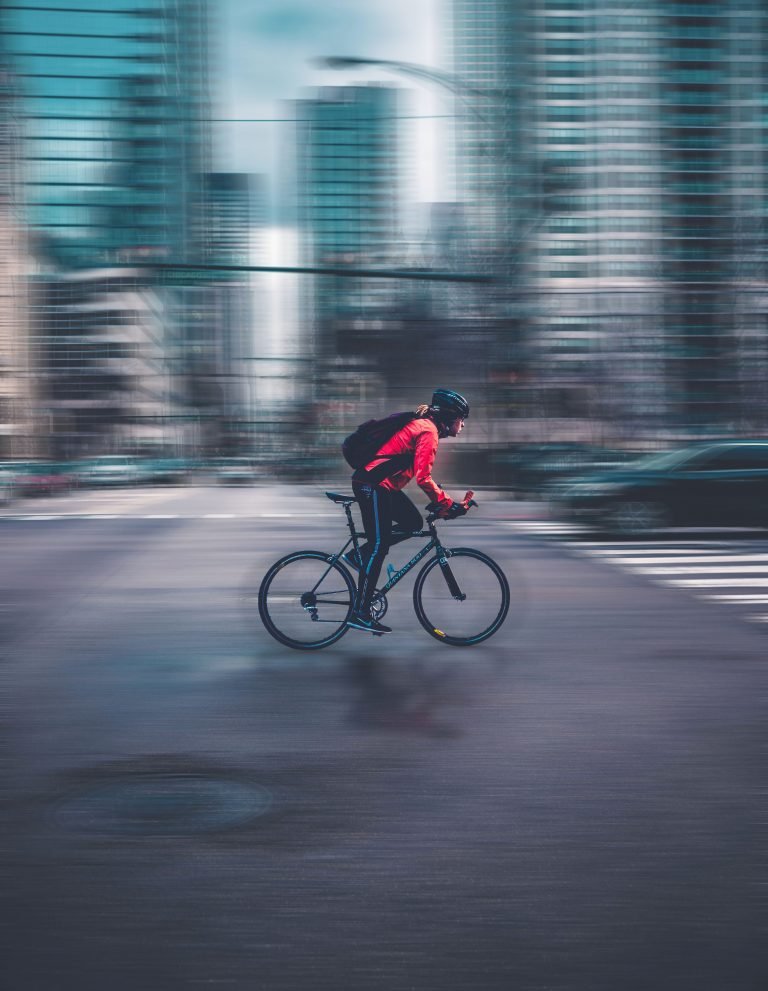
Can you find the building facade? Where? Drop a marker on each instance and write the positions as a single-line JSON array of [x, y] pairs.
[[638, 216], [113, 109], [235, 226], [21, 433], [113, 100], [105, 367], [349, 202]]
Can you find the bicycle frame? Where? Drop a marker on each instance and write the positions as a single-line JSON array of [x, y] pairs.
[[434, 544]]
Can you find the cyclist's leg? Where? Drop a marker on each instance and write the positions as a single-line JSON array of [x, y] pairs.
[[406, 518], [375, 509]]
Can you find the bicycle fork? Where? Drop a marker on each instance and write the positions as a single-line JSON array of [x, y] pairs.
[[450, 579]]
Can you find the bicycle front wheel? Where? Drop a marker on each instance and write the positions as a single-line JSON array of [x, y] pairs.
[[306, 599], [464, 601]]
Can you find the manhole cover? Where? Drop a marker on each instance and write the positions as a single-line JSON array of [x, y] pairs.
[[163, 805]]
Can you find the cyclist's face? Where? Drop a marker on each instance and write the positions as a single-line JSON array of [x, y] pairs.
[[455, 428]]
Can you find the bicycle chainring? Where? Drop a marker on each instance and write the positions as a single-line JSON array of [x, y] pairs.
[[379, 606]]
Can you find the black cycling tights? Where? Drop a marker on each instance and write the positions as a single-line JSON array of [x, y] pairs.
[[380, 508]]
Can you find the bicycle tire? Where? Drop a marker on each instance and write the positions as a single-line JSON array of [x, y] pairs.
[[290, 598], [431, 616]]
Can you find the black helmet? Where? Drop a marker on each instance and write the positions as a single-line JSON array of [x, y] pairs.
[[448, 404]]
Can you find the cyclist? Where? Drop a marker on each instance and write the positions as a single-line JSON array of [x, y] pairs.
[[382, 503]]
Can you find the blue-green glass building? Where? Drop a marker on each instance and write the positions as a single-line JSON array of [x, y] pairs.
[[113, 99], [111, 107], [349, 184]]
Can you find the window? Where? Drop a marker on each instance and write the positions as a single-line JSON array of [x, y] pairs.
[[731, 459]]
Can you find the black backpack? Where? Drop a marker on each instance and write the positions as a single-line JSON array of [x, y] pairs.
[[362, 446]]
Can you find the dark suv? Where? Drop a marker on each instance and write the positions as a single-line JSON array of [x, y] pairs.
[[715, 484]]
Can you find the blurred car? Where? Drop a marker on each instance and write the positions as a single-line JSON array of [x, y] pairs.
[[109, 469], [234, 471], [724, 483], [166, 471], [533, 468], [37, 478], [7, 476]]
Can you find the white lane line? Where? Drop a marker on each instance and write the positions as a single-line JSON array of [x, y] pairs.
[[655, 550], [218, 516], [544, 526], [714, 567], [643, 554], [293, 516], [758, 619], [159, 516], [707, 560], [736, 599], [716, 582]]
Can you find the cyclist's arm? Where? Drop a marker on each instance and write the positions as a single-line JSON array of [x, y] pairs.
[[423, 460]]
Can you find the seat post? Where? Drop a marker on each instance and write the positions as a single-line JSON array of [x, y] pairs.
[[348, 511]]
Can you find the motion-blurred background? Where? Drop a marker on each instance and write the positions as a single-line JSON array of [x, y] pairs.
[[231, 231]]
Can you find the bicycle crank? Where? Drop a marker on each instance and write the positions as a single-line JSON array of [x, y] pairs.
[[379, 606]]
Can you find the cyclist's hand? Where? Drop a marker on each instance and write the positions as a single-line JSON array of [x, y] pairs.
[[451, 512], [453, 509], [460, 508]]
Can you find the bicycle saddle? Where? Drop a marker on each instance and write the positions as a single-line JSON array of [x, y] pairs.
[[336, 497]]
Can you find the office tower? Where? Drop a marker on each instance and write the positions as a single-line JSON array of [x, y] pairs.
[[348, 173], [104, 364], [235, 211], [113, 99], [638, 236], [19, 429]]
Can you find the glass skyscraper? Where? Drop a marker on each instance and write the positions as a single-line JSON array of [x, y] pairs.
[[113, 99], [349, 201], [637, 207], [112, 111], [19, 428]]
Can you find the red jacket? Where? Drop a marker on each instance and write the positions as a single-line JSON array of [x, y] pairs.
[[421, 437]]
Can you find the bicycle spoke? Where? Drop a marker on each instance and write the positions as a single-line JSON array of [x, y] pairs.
[[464, 603], [297, 609]]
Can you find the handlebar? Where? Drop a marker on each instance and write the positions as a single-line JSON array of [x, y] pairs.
[[466, 503]]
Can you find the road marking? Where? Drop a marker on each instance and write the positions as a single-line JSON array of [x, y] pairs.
[[163, 516], [746, 599], [646, 554], [716, 582], [675, 560], [715, 566]]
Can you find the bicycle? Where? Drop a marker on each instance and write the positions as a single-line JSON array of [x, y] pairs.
[[461, 596]]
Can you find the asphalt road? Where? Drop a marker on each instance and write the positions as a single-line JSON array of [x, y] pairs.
[[576, 805]]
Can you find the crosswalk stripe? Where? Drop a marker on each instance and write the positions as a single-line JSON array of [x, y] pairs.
[[611, 550], [736, 599], [716, 582], [715, 566], [678, 559]]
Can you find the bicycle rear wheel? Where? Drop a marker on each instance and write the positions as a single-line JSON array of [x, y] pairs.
[[484, 602], [305, 600]]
